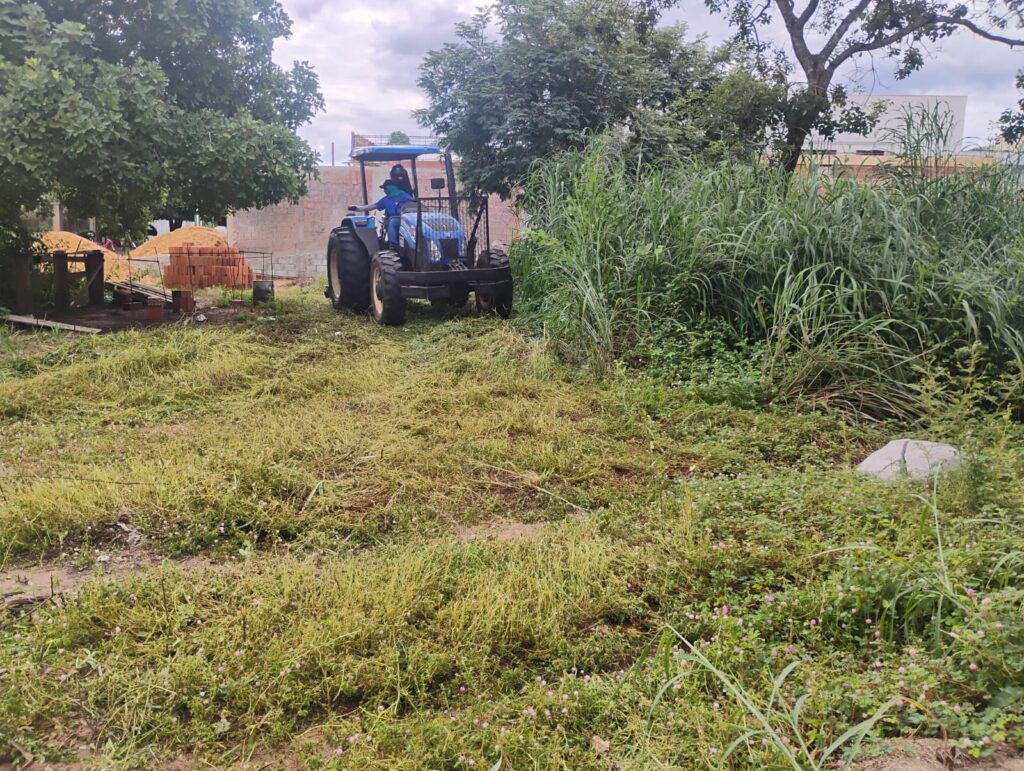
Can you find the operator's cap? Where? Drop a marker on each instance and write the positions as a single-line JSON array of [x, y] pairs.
[[389, 183]]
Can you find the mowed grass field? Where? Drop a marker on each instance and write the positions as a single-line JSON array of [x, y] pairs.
[[438, 547]]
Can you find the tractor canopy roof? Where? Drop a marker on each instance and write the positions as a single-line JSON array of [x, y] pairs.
[[393, 152]]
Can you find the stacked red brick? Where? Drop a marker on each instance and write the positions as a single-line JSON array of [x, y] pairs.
[[199, 267]]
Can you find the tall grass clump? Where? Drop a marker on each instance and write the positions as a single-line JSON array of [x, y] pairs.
[[848, 286]]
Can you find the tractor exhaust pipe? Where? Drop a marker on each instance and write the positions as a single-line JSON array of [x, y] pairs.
[[449, 172]]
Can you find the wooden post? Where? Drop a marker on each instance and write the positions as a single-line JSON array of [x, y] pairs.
[[61, 282], [94, 277], [21, 266]]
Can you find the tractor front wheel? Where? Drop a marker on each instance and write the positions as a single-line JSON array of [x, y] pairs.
[[498, 298], [386, 299]]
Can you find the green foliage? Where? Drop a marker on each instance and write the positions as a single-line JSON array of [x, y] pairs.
[[1011, 122], [242, 162], [705, 355], [117, 111], [736, 118], [559, 71], [771, 718], [216, 56], [846, 287]]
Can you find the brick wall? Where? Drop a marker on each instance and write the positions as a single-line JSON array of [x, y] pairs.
[[297, 234]]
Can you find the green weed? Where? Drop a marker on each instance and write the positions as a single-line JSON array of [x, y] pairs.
[[842, 288]]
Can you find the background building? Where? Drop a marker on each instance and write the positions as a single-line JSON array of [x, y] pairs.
[[895, 109]]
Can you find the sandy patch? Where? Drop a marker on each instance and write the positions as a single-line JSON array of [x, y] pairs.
[[937, 755], [500, 530]]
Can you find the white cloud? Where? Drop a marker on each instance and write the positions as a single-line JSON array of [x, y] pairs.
[[367, 57]]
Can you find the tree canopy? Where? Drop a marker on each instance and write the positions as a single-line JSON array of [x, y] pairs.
[[824, 35], [119, 107], [529, 77]]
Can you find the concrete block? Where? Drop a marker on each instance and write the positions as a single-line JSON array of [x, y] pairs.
[[911, 459]]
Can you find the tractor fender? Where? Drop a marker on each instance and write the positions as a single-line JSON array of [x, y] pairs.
[[365, 228]]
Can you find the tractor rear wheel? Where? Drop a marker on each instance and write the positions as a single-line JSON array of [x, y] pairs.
[[499, 298], [386, 299], [348, 272]]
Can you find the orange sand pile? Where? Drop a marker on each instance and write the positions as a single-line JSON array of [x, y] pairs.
[[115, 267], [63, 241], [197, 237]]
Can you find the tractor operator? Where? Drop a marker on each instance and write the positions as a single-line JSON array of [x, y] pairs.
[[401, 178], [391, 205]]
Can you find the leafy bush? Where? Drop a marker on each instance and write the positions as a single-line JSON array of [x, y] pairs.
[[850, 286]]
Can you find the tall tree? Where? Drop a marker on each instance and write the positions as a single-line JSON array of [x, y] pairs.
[[528, 77], [118, 107], [1011, 122], [824, 35]]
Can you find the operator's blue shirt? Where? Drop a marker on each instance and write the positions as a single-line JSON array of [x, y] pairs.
[[392, 205]]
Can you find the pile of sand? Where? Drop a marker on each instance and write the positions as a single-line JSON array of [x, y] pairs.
[[115, 266], [161, 245], [72, 243]]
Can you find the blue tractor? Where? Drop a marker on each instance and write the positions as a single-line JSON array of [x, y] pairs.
[[442, 254]]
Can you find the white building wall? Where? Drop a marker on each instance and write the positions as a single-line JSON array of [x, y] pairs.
[[895, 108]]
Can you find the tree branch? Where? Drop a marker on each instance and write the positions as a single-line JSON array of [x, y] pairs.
[[795, 28], [808, 11], [844, 27], [883, 42], [931, 21], [980, 31]]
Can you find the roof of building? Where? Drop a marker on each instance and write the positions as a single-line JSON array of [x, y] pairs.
[[393, 152]]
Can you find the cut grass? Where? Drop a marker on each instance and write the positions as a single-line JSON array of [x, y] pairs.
[[230, 435], [353, 627]]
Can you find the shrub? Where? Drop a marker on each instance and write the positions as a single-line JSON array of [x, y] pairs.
[[849, 286]]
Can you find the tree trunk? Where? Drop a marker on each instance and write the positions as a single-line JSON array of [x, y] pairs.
[[796, 135], [802, 113]]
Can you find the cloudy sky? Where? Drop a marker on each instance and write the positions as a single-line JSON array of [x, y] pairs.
[[367, 56]]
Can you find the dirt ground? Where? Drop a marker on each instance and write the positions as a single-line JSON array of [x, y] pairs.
[[111, 318], [500, 530], [24, 588], [937, 755]]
